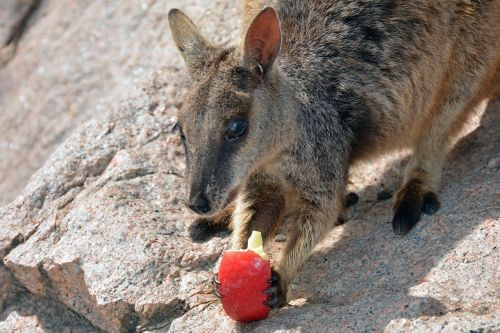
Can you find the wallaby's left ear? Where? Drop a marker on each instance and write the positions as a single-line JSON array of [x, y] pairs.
[[188, 39], [263, 39]]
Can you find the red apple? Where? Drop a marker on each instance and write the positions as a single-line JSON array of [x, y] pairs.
[[243, 276]]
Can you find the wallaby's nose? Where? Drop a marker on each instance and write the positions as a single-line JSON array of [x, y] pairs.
[[199, 204]]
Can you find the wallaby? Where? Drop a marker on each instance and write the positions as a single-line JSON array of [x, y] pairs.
[[272, 125]]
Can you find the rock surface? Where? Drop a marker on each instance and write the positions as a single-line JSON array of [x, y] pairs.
[[78, 58], [98, 239]]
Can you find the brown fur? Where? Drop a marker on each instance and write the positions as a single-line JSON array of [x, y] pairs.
[[322, 84]]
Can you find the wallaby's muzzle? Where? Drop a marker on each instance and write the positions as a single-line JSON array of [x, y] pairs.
[[199, 204], [209, 181]]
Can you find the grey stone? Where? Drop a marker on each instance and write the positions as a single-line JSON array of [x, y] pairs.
[[12, 13], [99, 234], [76, 60], [26, 313]]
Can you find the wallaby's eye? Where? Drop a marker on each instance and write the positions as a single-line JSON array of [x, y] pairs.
[[236, 129]]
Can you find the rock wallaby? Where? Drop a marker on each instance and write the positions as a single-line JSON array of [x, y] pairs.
[[272, 124]]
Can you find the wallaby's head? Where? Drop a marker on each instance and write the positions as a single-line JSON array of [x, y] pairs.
[[228, 122]]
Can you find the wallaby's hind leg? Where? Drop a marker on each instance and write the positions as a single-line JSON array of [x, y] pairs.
[[204, 228], [469, 79], [259, 206], [414, 198], [423, 173]]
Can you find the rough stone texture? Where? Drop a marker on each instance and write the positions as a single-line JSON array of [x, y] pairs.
[[105, 228], [75, 60], [6, 285], [26, 313], [98, 239], [11, 14]]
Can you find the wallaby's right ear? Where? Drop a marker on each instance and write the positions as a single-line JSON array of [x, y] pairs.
[[187, 38], [263, 39]]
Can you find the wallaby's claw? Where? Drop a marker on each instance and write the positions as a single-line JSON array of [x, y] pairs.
[[202, 229], [276, 297], [216, 285], [384, 195], [273, 281], [270, 290]]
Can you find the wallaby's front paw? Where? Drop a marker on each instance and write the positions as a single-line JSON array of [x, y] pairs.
[[276, 293], [203, 229]]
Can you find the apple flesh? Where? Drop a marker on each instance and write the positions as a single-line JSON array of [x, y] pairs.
[[243, 277]]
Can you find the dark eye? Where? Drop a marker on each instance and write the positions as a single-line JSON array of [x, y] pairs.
[[236, 129]]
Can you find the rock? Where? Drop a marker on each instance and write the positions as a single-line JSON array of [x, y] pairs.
[[127, 277], [6, 285], [384, 195], [109, 238], [13, 14], [77, 59], [448, 323], [27, 313], [14, 18], [98, 239]]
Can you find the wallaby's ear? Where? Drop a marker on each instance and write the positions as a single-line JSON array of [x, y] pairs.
[[263, 39], [187, 38]]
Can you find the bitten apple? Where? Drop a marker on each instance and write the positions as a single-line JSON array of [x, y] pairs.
[[243, 277]]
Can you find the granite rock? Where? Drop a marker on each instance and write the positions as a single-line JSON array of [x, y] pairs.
[[76, 59], [98, 239], [26, 313]]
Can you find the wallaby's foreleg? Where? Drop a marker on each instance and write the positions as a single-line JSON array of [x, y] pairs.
[[259, 206], [204, 227], [312, 224]]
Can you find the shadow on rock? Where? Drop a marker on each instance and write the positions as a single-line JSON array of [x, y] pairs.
[[26, 312]]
